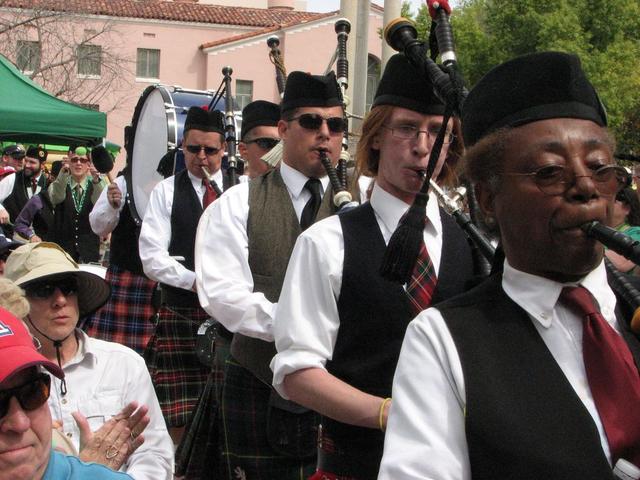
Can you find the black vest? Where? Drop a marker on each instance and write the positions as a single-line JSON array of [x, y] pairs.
[[523, 418], [374, 314], [43, 220], [18, 197], [72, 230], [185, 214], [124, 251]]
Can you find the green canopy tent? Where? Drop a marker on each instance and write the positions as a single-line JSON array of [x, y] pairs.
[[30, 114]]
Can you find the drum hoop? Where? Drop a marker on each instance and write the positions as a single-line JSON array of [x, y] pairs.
[[134, 125], [172, 121]]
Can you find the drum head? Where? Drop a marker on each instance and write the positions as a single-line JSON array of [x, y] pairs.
[[150, 143]]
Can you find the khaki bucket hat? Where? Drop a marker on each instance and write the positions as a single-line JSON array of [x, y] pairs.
[[35, 262]]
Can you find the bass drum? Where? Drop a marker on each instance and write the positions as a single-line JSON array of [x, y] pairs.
[[157, 128]]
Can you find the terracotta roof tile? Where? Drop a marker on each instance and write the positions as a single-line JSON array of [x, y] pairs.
[[262, 31], [174, 11]]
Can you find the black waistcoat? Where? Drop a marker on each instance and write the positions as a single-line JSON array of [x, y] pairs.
[[43, 220], [523, 418], [72, 230], [185, 214], [374, 314], [124, 251], [18, 197]]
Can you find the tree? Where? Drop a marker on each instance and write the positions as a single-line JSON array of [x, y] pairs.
[[606, 36], [70, 56]]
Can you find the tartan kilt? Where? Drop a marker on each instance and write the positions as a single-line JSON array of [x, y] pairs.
[[177, 374], [126, 318], [198, 455], [246, 418]]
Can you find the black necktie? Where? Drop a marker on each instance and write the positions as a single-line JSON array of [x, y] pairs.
[[311, 208]]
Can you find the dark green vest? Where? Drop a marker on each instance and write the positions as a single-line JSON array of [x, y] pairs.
[[272, 230]]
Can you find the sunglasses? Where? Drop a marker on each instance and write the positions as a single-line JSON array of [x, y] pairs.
[[209, 151], [265, 143], [313, 121], [78, 160], [45, 290], [30, 395]]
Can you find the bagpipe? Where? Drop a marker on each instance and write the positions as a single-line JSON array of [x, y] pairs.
[[448, 85], [342, 198]]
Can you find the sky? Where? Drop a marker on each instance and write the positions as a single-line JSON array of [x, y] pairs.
[[330, 5]]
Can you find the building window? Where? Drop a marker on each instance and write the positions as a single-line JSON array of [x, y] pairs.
[[89, 60], [244, 93], [373, 79], [28, 55], [148, 63]]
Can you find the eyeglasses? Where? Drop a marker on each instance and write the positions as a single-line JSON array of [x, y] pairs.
[[313, 121], [78, 160], [196, 149], [410, 132], [556, 179], [265, 143], [30, 395], [45, 290]]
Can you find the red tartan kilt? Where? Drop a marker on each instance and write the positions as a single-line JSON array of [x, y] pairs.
[[177, 374], [127, 317]]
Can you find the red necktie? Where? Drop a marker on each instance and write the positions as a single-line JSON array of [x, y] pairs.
[[612, 374], [423, 281], [209, 194]]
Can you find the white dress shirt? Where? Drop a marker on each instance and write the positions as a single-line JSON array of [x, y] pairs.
[[224, 280], [307, 319], [155, 234], [103, 217], [102, 378], [6, 187], [425, 436]]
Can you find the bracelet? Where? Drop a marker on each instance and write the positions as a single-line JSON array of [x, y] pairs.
[[381, 414]]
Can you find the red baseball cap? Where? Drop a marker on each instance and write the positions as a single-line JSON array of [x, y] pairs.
[[17, 349]]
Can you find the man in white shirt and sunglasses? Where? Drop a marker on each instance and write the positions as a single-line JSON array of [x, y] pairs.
[[166, 242], [242, 249]]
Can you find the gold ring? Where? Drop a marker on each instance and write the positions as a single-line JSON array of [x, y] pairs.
[[111, 452]]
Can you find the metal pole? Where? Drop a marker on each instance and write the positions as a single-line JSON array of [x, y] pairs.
[[391, 12], [360, 63]]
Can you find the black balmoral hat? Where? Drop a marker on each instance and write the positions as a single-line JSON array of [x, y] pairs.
[[305, 90], [206, 120], [38, 153], [259, 113], [403, 86], [529, 88]]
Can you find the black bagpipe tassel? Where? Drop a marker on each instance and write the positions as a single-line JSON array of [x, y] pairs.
[[404, 245]]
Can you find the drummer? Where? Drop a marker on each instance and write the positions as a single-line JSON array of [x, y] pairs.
[[259, 135], [126, 318], [167, 239]]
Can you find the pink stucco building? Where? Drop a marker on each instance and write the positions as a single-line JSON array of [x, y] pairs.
[[183, 43]]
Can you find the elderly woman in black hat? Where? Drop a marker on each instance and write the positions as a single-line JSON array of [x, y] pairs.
[[102, 380], [531, 375]]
